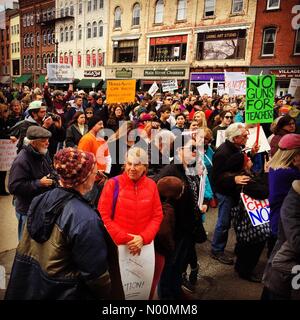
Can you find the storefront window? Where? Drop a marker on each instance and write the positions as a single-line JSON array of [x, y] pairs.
[[221, 45], [168, 48], [126, 51]]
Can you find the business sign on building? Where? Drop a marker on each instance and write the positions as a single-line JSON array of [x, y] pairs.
[[286, 73], [123, 73], [164, 73], [203, 77], [92, 73]]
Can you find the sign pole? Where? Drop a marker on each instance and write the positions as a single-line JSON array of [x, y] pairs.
[[257, 133]]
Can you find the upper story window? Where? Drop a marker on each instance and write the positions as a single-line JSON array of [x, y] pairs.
[[44, 38], [37, 39], [181, 10], [24, 21], [79, 32], [297, 43], [89, 5], [159, 11], [62, 11], [269, 38], [66, 34], [237, 6], [67, 9], [100, 26], [61, 31], [89, 31], [80, 7], [117, 18], [38, 17], [209, 8], [273, 4], [71, 33], [49, 36], [71, 8], [49, 14], [32, 19], [100, 4], [95, 5], [95, 29], [136, 15]]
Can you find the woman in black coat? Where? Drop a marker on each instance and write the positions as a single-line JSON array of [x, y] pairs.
[[77, 128]]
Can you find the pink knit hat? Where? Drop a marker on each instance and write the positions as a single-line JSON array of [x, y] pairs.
[[73, 166], [289, 141]]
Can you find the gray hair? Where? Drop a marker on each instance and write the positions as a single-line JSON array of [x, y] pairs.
[[234, 130], [138, 155]]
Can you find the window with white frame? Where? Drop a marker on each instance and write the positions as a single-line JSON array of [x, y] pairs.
[[100, 26], [89, 31], [67, 9], [31, 40], [38, 62], [80, 7], [48, 58], [44, 61], [71, 33], [32, 19], [117, 18], [79, 59], [25, 41], [136, 15], [62, 11], [95, 5], [88, 59], [273, 4], [100, 4], [37, 39], [61, 31], [24, 21], [53, 36], [66, 34], [28, 20], [71, 8], [79, 32], [269, 39], [95, 29], [53, 60], [209, 8], [49, 36], [237, 6], [297, 43], [49, 14], [44, 38], [181, 10], [94, 58], [159, 11], [89, 5]]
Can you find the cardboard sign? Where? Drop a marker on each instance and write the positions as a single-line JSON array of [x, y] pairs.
[[258, 210], [120, 91], [8, 152], [169, 85], [204, 89], [260, 99], [235, 83], [220, 89], [137, 272], [60, 73], [262, 140], [294, 84], [153, 89]]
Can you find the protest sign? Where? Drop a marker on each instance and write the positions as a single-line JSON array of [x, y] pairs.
[[204, 89], [262, 140], [260, 99], [119, 91], [169, 85], [8, 152], [153, 89], [202, 188], [235, 83], [258, 210], [220, 89], [60, 73], [220, 137], [137, 272], [294, 84]]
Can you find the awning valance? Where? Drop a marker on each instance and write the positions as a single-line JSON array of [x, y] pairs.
[[88, 83]]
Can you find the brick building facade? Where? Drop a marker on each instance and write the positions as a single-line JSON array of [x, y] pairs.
[[5, 47]]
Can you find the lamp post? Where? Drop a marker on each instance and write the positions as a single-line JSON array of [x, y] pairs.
[[56, 50]]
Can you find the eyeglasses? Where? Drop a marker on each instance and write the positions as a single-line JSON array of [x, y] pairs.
[[229, 117], [169, 99], [89, 112]]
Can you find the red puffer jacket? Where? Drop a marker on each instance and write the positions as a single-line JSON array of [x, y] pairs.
[[138, 209]]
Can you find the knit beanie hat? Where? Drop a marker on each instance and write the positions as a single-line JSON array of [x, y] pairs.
[[93, 121], [289, 141], [73, 166]]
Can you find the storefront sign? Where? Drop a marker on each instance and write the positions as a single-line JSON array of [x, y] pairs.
[[286, 73], [119, 91], [203, 77], [123, 73], [60, 73], [92, 73], [164, 73], [168, 40], [221, 35], [260, 99]]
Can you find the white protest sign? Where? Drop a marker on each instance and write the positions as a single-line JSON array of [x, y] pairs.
[[258, 210], [220, 89], [169, 85], [294, 83], [137, 272], [202, 188], [204, 89], [8, 152], [220, 137], [235, 83], [153, 89], [60, 73], [262, 140]]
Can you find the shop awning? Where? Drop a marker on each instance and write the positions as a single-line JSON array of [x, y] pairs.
[[41, 79], [88, 83], [23, 78]]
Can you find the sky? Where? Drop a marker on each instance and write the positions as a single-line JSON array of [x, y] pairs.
[[8, 4]]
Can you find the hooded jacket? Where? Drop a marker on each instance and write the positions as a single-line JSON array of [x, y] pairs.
[[62, 254]]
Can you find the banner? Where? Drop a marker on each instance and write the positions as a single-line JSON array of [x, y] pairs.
[[235, 83], [120, 91], [153, 89], [8, 152], [169, 85], [204, 89], [60, 73], [137, 272], [260, 99], [258, 210]]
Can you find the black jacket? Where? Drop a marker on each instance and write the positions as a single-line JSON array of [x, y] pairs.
[[62, 254], [27, 169], [74, 135]]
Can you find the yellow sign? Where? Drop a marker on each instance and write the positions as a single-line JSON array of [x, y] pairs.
[[119, 91]]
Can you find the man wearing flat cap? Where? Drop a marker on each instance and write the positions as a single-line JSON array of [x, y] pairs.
[[31, 173]]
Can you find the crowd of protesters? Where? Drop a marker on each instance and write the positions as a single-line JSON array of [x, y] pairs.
[[73, 150]]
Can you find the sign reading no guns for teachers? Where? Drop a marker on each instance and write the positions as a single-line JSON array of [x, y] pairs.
[[120, 91], [260, 99], [60, 73]]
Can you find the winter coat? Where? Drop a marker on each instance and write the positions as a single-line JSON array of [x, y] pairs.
[[24, 180], [62, 254], [138, 209], [74, 135]]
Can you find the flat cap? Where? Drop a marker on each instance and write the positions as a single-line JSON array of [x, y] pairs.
[[37, 132]]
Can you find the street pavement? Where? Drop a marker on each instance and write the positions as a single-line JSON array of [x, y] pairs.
[[216, 281]]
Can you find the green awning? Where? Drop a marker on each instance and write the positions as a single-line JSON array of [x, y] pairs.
[[23, 78], [41, 79], [88, 83]]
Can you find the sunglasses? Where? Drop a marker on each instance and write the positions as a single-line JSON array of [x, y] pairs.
[[229, 117], [169, 99], [89, 112]]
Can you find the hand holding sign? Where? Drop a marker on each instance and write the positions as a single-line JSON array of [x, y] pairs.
[[241, 179]]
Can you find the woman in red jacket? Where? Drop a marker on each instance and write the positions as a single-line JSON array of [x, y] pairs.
[[138, 211]]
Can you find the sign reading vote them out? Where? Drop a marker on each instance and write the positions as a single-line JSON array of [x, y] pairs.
[[120, 91], [260, 99]]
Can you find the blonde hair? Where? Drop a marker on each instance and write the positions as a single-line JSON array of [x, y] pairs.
[[2, 108], [203, 118], [283, 159]]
